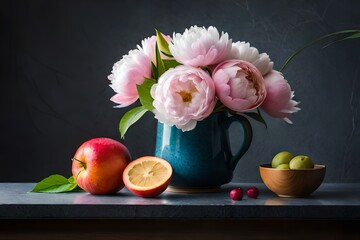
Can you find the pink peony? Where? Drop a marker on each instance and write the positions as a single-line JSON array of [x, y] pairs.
[[199, 47], [278, 102], [239, 85], [131, 70], [183, 96], [126, 73]]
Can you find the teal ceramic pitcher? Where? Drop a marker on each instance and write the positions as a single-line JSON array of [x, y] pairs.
[[202, 158]]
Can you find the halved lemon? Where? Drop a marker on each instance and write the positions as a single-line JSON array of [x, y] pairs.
[[147, 176]]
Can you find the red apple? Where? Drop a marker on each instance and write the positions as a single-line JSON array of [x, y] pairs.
[[98, 165]]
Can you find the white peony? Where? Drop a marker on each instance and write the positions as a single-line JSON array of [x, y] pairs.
[[199, 47], [243, 51]]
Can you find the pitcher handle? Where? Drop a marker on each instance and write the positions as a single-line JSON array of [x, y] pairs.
[[247, 137]]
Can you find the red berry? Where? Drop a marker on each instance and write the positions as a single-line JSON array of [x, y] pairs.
[[236, 194], [252, 192]]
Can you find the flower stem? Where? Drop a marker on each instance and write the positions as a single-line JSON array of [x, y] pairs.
[[353, 34]]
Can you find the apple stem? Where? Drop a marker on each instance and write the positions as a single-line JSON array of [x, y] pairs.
[[81, 162]]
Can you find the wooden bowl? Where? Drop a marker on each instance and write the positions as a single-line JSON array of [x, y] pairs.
[[291, 182]]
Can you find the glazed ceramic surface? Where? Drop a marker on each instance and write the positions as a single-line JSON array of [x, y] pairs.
[[202, 157]]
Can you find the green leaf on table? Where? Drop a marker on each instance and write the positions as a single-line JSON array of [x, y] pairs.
[[130, 118], [55, 184], [71, 179], [256, 116], [144, 93]]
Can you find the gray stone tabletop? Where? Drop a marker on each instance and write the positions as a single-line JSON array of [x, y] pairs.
[[329, 201]]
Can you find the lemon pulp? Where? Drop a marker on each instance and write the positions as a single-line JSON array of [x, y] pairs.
[[148, 173]]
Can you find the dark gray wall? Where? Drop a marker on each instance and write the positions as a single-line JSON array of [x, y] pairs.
[[56, 56]]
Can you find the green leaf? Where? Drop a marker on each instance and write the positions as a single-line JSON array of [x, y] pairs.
[[170, 63], [168, 55], [71, 179], [77, 188], [162, 43], [130, 118], [144, 93], [55, 184], [256, 116], [154, 71], [159, 62], [219, 107], [355, 35], [354, 32]]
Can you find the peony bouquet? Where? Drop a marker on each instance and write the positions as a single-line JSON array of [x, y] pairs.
[[184, 79]]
